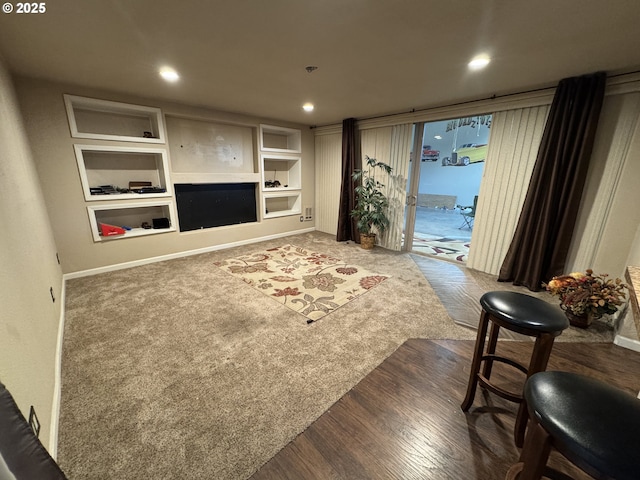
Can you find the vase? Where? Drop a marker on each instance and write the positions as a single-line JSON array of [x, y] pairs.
[[367, 240], [580, 321]]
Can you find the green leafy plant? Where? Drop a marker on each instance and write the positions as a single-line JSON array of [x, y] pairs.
[[371, 202]]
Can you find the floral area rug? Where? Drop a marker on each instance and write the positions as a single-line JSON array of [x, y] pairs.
[[443, 247], [312, 284]]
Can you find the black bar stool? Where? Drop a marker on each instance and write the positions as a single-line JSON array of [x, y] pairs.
[[522, 314], [592, 424]]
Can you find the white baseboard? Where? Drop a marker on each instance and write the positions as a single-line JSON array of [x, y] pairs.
[[171, 256], [627, 342], [57, 381]]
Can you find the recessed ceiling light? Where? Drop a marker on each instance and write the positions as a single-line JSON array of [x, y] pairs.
[[479, 62], [438, 137], [308, 107], [169, 74]]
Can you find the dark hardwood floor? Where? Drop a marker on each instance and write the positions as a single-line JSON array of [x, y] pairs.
[[403, 420]]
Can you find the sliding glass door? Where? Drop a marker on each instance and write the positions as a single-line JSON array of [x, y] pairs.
[[443, 186]]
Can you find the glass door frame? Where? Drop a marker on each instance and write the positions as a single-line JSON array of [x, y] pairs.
[[414, 184]]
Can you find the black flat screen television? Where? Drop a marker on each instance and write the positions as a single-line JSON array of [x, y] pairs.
[[207, 205]]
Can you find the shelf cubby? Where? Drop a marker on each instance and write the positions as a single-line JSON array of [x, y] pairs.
[[281, 204], [131, 215], [107, 120], [283, 169], [280, 139], [117, 166]]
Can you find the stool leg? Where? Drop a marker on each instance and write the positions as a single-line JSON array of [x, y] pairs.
[[539, 359], [477, 359], [534, 456], [491, 349]]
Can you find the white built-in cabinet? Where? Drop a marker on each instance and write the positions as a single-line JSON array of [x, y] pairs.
[[280, 165], [111, 174], [123, 146]]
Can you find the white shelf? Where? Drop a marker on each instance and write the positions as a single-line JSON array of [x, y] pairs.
[[131, 215], [283, 169], [106, 120], [282, 204], [280, 139], [100, 165]]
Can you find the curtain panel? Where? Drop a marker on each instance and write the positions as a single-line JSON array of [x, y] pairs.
[[347, 229], [542, 238]]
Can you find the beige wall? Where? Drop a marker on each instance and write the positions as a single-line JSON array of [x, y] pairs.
[[48, 129], [608, 220], [29, 319]]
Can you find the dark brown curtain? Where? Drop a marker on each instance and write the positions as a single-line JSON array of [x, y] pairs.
[[346, 224], [541, 241]]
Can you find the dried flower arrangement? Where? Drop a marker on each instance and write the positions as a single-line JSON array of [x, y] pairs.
[[587, 294]]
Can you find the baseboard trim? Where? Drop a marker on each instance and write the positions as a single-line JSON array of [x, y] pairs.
[[627, 342], [57, 381], [171, 256]]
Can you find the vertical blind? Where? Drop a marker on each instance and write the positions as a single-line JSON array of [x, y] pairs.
[[328, 155], [391, 145], [513, 146]]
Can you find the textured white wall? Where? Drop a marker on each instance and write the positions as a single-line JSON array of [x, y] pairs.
[[29, 319]]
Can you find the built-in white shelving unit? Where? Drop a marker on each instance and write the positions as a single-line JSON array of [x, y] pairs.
[[280, 166], [119, 166], [124, 185], [131, 217], [107, 120]]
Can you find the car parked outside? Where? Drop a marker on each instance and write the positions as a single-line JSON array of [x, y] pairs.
[[428, 154], [467, 153]]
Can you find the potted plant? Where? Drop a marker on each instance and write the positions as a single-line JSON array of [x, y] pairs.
[[371, 202], [585, 296]]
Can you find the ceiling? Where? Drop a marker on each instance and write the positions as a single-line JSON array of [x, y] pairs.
[[374, 57]]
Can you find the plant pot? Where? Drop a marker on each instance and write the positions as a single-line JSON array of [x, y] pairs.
[[367, 240], [580, 321]]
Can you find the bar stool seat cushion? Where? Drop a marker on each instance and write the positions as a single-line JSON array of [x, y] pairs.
[[524, 311], [593, 424]]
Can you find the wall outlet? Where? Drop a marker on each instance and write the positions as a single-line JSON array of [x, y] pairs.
[[308, 214]]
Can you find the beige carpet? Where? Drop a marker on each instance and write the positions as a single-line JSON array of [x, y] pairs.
[[180, 370]]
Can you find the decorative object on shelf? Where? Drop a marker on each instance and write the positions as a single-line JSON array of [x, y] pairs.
[[585, 296], [271, 184], [371, 202], [110, 230], [161, 222]]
